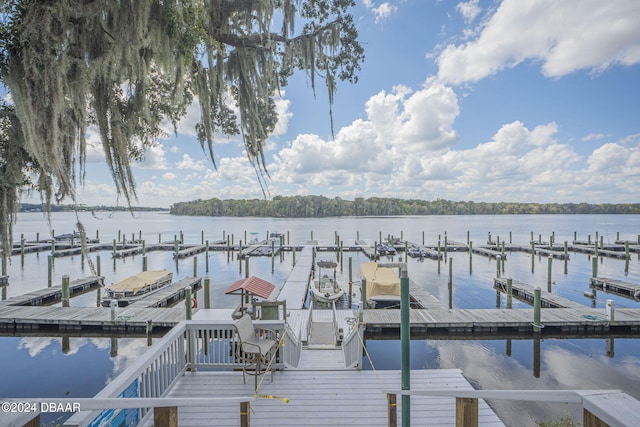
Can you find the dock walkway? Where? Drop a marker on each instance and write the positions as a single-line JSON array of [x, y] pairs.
[[617, 287], [524, 292], [295, 288], [128, 319], [169, 295], [54, 294], [324, 398]]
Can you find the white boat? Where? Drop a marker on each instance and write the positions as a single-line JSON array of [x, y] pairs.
[[326, 289], [136, 287], [382, 285]]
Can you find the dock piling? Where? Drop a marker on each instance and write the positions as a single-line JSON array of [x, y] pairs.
[[49, 270], [549, 264], [207, 292], [195, 266], [149, 332], [537, 303], [188, 302], [113, 305], [65, 290]]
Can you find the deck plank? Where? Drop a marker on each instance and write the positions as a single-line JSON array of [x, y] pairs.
[[324, 398]]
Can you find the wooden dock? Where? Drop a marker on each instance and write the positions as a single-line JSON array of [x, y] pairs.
[[524, 292], [368, 250], [169, 295], [557, 322], [591, 250], [53, 294], [188, 251], [129, 319], [617, 287], [329, 398], [295, 288]]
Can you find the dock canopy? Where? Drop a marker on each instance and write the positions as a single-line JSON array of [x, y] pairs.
[[253, 285]]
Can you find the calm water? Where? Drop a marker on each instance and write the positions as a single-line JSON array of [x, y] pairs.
[[81, 366]]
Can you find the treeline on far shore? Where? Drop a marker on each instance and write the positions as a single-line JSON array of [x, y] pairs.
[[320, 206], [32, 207]]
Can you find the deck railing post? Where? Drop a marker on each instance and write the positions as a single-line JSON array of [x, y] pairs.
[[245, 420], [165, 416], [392, 410], [590, 420], [466, 412]]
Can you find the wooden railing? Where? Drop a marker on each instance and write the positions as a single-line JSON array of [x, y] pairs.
[[352, 345], [611, 408], [292, 349], [190, 345]]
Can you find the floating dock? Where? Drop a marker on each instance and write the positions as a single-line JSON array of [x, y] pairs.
[[617, 287], [524, 292], [53, 294]]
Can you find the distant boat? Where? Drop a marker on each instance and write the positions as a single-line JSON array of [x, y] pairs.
[[136, 287], [67, 236], [382, 285], [327, 289]]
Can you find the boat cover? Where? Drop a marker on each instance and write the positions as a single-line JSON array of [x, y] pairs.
[[137, 282], [381, 281]]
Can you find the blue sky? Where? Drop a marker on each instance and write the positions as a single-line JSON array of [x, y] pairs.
[[519, 100]]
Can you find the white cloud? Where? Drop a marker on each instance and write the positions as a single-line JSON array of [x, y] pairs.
[[562, 36], [187, 162], [399, 124], [169, 176], [382, 12], [154, 158], [284, 115], [469, 10]]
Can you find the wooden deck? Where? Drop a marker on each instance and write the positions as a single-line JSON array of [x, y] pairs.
[[524, 292], [618, 287], [54, 294], [169, 295], [329, 398], [21, 318], [295, 288]]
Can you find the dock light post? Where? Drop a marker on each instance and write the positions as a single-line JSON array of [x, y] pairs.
[[405, 343]]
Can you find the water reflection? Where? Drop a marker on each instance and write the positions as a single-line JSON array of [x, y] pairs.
[[524, 364], [63, 366], [81, 366]]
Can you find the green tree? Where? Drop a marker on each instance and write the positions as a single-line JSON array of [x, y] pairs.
[[125, 66]]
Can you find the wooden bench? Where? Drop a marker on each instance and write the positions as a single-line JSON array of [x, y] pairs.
[[258, 347]]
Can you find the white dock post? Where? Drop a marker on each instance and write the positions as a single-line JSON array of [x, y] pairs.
[[113, 305], [610, 309]]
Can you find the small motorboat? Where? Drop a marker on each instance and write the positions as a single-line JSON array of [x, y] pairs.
[[326, 289]]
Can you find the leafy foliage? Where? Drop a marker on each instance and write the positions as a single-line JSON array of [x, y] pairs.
[[125, 66], [319, 206]]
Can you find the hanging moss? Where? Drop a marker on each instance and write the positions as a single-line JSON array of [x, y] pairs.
[[125, 66]]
